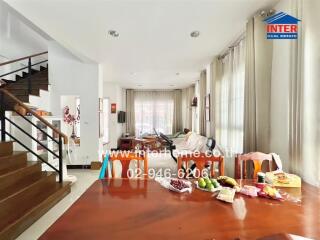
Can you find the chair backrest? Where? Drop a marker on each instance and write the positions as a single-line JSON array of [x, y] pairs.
[[241, 166], [125, 158]]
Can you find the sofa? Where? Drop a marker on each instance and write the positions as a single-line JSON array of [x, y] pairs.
[[190, 143]]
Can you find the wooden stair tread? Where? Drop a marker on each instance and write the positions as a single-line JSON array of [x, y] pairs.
[[6, 148], [43, 177], [17, 204], [15, 171], [15, 160], [10, 179], [14, 229], [21, 185]]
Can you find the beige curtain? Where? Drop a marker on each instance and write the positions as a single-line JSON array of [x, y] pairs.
[[202, 94], [186, 109], [216, 75], [257, 87], [295, 100], [304, 98], [130, 127], [177, 113], [154, 109]]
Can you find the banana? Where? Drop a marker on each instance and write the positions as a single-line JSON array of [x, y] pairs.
[[229, 181]]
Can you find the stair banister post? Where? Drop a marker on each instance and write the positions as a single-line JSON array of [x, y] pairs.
[[2, 118], [60, 160], [29, 77]]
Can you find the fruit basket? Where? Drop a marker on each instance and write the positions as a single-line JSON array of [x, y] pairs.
[[208, 185], [206, 189]]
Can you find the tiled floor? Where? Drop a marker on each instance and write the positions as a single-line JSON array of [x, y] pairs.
[[85, 179]]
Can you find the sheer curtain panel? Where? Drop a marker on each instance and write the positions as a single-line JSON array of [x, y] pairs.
[[154, 110]]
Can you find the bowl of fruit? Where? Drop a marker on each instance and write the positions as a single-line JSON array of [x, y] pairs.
[[207, 184], [175, 184]]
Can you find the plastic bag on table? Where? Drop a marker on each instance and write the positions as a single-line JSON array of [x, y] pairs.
[[251, 191], [293, 196], [175, 184]]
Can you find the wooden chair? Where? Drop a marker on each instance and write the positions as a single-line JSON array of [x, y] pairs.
[[125, 157], [257, 158], [201, 160]]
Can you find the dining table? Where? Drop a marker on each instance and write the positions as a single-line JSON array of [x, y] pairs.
[[138, 209]]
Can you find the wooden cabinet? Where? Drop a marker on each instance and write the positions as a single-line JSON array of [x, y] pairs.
[[126, 143]]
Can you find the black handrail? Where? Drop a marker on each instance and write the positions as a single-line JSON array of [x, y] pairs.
[[3, 119], [20, 69], [30, 150], [34, 139], [23, 58], [29, 67], [32, 123]]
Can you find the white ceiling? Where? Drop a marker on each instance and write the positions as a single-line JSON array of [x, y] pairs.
[[154, 42]]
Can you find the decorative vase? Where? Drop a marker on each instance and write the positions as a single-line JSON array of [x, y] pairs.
[[73, 135]]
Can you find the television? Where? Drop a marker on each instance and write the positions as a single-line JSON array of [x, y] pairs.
[[121, 117]]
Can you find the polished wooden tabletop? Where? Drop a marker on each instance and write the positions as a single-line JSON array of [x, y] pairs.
[[142, 209]]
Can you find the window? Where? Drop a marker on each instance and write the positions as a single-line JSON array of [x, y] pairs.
[[230, 100], [106, 110], [154, 110]]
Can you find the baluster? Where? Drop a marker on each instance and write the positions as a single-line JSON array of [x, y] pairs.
[[29, 77], [60, 160], [2, 117]]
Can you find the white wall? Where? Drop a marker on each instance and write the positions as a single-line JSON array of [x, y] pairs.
[[69, 76], [17, 39], [116, 95]]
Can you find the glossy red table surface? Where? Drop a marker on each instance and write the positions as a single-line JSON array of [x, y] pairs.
[[142, 209]]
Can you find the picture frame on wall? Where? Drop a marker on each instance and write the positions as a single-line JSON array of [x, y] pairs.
[[113, 108]]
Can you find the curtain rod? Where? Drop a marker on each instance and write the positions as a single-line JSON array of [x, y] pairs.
[[261, 13], [233, 45], [155, 90]]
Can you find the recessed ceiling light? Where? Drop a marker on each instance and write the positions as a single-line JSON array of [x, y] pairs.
[[171, 85], [195, 34], [177, 74], [113, 33], [139, 85]]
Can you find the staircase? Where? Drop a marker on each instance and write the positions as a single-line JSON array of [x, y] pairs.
[[20, 87], [26, 192]]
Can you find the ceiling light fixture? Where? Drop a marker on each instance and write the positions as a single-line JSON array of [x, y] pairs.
[[195, 34], [113, 33]]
